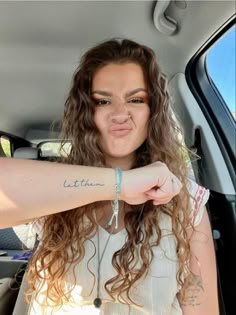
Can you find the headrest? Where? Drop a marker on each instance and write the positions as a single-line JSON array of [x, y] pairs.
[[27, 153]]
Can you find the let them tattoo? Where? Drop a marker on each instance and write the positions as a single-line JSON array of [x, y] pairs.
[[81, 183], [193, 291]]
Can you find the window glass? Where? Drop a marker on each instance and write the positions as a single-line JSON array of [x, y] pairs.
[[51, 149], [221, 67], [6, 146]]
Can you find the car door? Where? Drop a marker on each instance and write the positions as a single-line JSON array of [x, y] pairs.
[[210, 131]]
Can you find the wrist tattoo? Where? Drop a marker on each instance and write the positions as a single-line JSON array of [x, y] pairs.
[[81, 183]]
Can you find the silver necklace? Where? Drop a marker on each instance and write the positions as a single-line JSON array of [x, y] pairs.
[[97, 301]]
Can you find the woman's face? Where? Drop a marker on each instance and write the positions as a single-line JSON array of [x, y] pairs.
[[122, 111]]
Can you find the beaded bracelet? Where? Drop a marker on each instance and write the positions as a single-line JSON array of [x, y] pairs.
[[115, 206]]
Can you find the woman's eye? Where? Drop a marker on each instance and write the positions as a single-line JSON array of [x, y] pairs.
[[102, 102], [136, 100]]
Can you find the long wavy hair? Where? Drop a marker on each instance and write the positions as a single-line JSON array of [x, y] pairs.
[[64, 234]]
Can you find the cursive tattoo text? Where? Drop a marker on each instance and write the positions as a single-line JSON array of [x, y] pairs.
[[81, 183]]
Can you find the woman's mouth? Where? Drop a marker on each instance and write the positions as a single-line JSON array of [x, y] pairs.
[[120, 132]]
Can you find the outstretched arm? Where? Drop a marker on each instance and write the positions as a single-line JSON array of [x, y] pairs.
[[32, 189], [201, 286]]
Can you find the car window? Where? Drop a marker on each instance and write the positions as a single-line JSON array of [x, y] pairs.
[[220, 63], [52, 149], [6, 146]]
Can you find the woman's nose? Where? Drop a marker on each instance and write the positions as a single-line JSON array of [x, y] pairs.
[[120, 118], [120, 112]]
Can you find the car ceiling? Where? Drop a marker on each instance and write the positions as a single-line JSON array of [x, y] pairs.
[[41, 44]]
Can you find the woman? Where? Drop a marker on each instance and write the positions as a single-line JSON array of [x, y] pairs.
[[145, 253]]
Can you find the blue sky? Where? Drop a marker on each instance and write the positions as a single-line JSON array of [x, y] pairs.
[[221, 67]]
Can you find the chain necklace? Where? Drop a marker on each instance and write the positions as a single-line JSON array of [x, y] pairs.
[[97, 301]]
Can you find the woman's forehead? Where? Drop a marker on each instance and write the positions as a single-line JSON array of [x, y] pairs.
[[119, 76]]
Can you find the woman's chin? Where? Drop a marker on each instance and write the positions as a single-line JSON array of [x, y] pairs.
[[120, 155], [125, 158]]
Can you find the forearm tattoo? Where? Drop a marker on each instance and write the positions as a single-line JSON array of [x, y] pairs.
[[81, 183], [193, 291]]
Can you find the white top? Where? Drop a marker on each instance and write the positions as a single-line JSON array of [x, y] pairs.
[[156, 294]]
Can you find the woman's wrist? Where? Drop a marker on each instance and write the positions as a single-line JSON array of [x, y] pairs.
[[115, 206], [123, 184]]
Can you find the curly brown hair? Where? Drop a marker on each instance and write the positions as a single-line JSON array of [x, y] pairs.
[[63, 230]]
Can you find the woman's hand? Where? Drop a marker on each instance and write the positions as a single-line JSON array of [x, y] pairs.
[[151, 182]]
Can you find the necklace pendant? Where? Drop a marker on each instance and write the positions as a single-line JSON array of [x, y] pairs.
[[97, 302]]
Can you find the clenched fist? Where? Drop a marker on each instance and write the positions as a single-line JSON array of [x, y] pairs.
[[151, 182]]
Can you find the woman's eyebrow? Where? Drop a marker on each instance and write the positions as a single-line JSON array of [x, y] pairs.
[[105, 93], [135, 91]]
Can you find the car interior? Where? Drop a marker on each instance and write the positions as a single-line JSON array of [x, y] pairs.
[[41, 43]]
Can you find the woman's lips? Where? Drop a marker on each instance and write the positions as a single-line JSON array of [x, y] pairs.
[[120, 132]]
